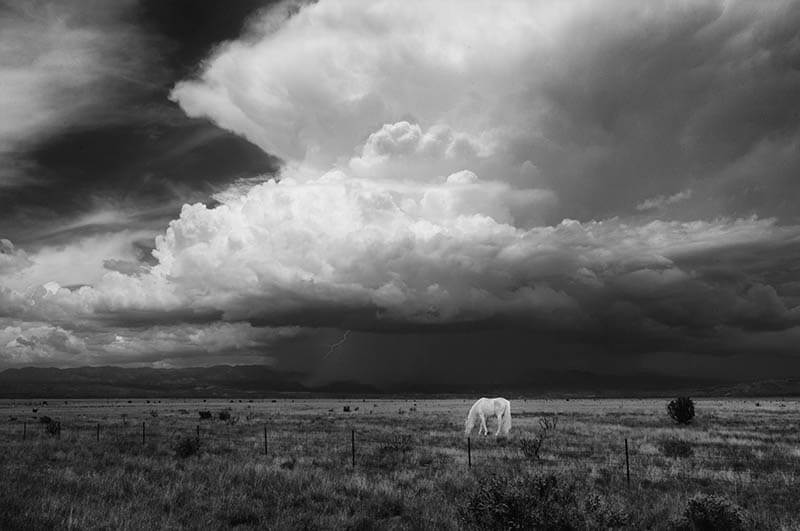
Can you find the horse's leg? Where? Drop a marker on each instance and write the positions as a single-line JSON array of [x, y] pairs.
[[499, 424], [483, 425]]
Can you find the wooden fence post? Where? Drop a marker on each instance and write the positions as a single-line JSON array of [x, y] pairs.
[[469, 452], [627, 464], [353, 446], [265, 441], [143, 433]]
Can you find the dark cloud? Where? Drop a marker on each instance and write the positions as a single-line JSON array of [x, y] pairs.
[[605, 187], [144, 170], [700, 97], [194, 27], [129, 148]]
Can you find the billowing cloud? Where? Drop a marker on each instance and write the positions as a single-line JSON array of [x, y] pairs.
[[607, 104], [40, 343], [282, 255], [662, 201], [597, 172], [11, 258], [196, 343]]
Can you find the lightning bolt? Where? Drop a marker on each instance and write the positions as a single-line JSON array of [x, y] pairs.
[[337, 344]]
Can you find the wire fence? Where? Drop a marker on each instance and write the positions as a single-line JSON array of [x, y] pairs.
[[341, 442], [337, 441]]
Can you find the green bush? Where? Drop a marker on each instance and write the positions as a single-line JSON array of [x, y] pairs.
[[224, 415], [53, 428], [676, 448], [530, 447], [186, 447], [399, 443], [706, 512], [526, 501], [681, 410]]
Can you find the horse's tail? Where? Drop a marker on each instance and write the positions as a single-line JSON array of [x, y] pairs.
[[506, 422], [469, 424]]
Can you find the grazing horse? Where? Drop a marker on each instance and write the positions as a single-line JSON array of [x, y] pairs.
[[484, 407]]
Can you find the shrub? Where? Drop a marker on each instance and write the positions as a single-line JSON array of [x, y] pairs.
[[399, 443], [224, 415], [711, 513], [44, 419], [346, 409], [681, 410], [52, 428], [205, 415], [676, 448], [527, 501], [532, 446], [186, 446]]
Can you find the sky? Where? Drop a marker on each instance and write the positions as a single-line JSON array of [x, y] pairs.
[[402, 192]]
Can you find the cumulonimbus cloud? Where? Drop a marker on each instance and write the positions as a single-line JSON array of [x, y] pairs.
[[430, 169], [650, 100]]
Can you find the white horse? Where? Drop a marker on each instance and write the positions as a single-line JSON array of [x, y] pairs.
[[489, 406]]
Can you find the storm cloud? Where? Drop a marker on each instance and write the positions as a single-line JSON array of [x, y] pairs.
[[605, 180]]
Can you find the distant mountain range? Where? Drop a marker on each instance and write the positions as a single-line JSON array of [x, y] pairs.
[[218, 381], [261, 381]]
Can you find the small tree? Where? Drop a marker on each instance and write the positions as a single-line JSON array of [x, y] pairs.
[[531, 447], [681, 410], [186, 446]]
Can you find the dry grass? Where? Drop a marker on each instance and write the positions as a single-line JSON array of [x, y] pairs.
[[411, 468]]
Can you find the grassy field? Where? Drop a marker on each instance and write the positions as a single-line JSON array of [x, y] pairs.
[[411, 466]]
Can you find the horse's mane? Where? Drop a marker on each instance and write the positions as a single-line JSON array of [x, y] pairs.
[[469, 424]]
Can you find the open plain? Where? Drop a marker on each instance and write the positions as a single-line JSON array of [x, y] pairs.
[[395, 464]]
